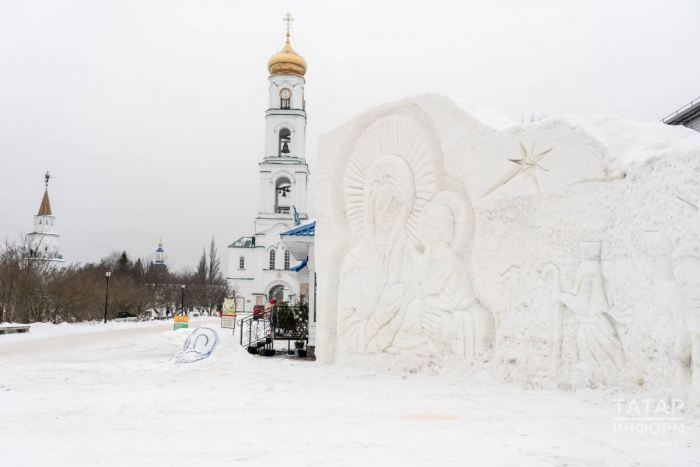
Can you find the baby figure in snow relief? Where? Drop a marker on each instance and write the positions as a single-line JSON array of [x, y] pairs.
[[443, 318]]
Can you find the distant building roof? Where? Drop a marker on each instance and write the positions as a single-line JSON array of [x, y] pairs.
[[304, 230], [45, 208], [243, 242], [688, 116]]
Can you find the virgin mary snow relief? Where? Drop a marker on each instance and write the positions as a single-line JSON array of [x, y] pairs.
[[405, 286]]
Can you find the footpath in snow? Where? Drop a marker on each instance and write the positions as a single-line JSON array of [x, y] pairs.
[[96, 394]]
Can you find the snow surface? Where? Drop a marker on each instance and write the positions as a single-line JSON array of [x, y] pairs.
[[110, 395]]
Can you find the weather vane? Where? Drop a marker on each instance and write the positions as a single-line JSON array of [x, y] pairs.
[[47, 177], [288, 19]]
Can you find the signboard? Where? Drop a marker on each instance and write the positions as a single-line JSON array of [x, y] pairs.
[[228, 314], [228, 321], [181, 321]]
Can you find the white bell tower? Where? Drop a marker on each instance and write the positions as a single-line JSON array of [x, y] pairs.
[[284, 174], [261, 266]]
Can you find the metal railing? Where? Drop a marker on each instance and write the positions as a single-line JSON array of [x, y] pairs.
[[256, 331], [261, 331], [685, 107]]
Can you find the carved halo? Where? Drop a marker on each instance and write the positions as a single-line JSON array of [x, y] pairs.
[[399, 136]]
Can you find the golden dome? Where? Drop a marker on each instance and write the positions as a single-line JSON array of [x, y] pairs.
[[287, 62]]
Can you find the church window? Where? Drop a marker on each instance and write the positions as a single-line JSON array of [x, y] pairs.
[[286, 259], [285, 103], [241, 263], [272, 259], [285, 141]]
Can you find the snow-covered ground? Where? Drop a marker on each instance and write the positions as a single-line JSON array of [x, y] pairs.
[[92, 395]]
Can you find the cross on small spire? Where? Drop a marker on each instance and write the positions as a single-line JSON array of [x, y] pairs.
[[47, 177], [288, 19]]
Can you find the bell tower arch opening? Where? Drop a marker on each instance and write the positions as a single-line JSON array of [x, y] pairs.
[[285, 142], [283, 195]]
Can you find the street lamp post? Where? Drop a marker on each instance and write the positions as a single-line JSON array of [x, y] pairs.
[[107, 274], [183, 299]]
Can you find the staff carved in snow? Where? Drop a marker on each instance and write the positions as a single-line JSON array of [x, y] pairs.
[[599, 346]]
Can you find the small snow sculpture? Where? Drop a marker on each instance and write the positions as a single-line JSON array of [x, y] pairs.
[[599, 346], [198, 346]]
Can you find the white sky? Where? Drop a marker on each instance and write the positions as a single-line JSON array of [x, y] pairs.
[[150, 114]]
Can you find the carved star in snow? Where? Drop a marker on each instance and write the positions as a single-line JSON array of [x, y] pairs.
[[527, 164]]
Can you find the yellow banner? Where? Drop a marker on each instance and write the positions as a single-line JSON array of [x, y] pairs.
[[181, 319]]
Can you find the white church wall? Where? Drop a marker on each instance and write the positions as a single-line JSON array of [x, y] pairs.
[[552, 271], [265, 194]]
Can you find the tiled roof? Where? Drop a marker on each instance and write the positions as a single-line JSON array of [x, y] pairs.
[[304, 230], [45, 209], [243, 242]]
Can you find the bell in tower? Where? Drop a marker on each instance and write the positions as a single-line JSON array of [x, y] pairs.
[[285, 139]]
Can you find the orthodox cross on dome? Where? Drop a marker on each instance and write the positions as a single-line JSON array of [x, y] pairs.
[[288, 19], [527, 164]]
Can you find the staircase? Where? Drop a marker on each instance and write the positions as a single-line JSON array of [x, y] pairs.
[[256, 335]]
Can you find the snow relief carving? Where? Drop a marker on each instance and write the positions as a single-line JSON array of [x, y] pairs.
[[598, 343], [405, 287], [528, 163], [686, 270]]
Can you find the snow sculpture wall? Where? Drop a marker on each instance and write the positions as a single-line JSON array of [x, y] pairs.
[[451, 235]]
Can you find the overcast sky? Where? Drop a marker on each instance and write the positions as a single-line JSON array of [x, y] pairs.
[[150, 114]]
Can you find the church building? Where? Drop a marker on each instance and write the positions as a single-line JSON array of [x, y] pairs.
[[160, 256], [260, 267], [43, 241]]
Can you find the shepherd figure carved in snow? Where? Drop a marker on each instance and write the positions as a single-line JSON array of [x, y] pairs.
[[599, 346]]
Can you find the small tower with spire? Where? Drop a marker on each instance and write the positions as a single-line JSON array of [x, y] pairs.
[[160, 255], [43, 241]]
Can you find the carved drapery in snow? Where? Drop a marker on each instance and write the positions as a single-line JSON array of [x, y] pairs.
[[404, 285]]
